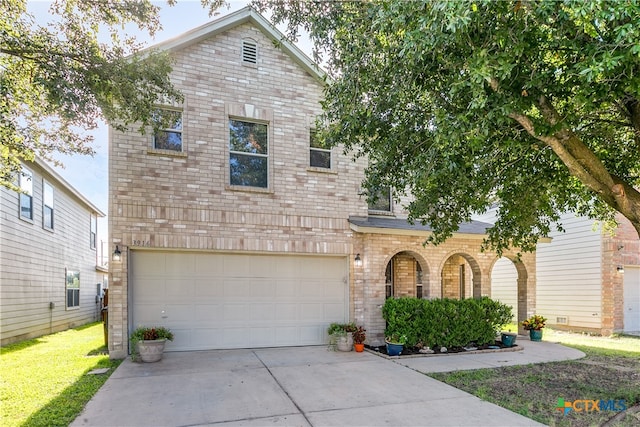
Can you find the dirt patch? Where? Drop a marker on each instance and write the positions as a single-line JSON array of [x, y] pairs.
[[535, 390]]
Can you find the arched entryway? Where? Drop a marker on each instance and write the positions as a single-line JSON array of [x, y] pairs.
[[406, 275], [510, 285], [504, 284], [460, 277]]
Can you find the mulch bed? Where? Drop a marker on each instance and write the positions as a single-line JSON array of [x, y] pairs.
[[415, 351]]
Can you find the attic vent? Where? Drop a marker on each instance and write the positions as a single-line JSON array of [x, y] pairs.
[[562, 320], [249, 52]]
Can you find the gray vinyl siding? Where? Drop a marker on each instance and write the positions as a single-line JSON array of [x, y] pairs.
[[569, 274], [33, 261]]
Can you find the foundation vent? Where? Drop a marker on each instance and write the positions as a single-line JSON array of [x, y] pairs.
[[562, 320]]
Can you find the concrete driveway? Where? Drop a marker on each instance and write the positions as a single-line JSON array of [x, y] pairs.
[[300, 386]]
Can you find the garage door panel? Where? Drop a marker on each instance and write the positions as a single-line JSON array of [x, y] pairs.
[[287, 312], [236, 288], [263, 289], [209, 288], [179, 288], [206, 265], [209, 313], [333, 311], [237, 301]]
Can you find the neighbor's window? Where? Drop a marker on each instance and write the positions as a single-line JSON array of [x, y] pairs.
[[26, 196], [319, 151], [47, 205], [169, 136], [73, 288], [93, 231], [248, 154], [382, 201]]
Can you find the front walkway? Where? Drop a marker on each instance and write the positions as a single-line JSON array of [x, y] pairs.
[[301, 386]]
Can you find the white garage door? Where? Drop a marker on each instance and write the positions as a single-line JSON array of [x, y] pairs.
[[214, 301], [632, 300]]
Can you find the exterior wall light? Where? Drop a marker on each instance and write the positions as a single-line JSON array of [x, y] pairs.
[[620, 269], [357, 261], [117, 254]]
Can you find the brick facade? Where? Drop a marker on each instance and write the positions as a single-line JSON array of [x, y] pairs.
[[183, 200]]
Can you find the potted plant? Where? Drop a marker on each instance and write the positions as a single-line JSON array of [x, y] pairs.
[[147, 343], [338, 337], [395, 344], [359, 336], [534, 325], [508, 338]]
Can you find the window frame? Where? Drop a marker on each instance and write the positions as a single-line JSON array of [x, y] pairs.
[[312, 149], [374, 210], [69, 278], [26, 194], [266, 156], [170, 130], [45, 205], [93, 231]]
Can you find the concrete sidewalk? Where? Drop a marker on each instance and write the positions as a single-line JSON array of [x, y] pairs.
[[303, 386]]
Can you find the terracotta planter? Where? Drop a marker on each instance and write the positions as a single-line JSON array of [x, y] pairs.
[[151, 350], [359, 347]]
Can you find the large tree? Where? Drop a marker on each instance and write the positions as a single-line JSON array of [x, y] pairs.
[[58, 80], [532, 106]]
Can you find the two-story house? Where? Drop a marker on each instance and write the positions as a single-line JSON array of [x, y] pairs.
[[236, 228], [49, 275]]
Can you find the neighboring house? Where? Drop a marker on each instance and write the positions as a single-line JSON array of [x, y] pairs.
[[236, 228], [588, 279], [49, 277]]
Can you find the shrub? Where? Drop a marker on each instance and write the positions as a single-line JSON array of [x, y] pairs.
[[445, 322]]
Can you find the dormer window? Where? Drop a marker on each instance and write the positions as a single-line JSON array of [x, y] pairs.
[[249, 52]]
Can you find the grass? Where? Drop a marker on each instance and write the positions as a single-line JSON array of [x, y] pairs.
[[44, 381], [610, 371]]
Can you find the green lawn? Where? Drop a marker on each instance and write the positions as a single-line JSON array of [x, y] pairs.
[[44, 381]]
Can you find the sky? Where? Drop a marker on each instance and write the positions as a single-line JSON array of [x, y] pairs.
[[89, 175]]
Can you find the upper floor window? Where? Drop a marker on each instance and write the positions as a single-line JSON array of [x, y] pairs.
[[93, 231], [169, 136], [73, 288], [249, 52], [248, 154], [319, 151], [47, 205], [26, 195], [381, 200]]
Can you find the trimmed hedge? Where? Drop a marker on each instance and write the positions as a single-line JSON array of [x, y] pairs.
[[445, 322]]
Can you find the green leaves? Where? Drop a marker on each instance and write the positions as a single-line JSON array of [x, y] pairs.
[[530, 106]]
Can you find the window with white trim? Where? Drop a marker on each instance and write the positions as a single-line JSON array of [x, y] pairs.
[[47, 205], [319, 151], [248, 154], [169, 134], [93, 230], [72, 286], [26, 195]]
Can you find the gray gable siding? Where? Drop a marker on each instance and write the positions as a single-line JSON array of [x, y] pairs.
[[33, 261]]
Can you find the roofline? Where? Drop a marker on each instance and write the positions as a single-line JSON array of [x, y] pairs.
[[407, 232], [246, 14], [423, 233], [42, 164]]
